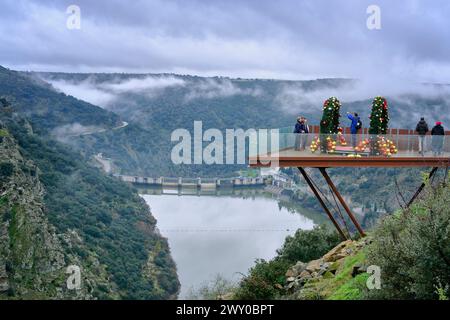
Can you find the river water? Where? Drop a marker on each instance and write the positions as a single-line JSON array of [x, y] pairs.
[[210, 235]]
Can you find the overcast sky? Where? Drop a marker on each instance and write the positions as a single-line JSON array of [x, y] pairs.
[[268, 39]]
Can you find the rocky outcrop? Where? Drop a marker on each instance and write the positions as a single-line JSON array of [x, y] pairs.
[[32, 259], [342, 250], [327, 267]]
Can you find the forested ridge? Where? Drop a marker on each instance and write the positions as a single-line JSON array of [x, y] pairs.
[[95, 221]]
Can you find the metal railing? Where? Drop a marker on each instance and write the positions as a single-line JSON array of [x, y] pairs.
[[359, 145]]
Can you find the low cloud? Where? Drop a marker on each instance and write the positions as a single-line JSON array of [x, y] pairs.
[[84, 90], [294, 96], [211, 88], [142, 85], [104, 93], [65, 132]]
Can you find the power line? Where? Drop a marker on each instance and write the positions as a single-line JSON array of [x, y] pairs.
[[225, 230]]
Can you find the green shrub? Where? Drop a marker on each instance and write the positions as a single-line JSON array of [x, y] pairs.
[[267, 278], [264, 281], [307, 245], [3, 133], [413, 249]]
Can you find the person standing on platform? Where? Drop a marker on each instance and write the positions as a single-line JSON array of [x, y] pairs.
[[301, 130], [437, 140], [304, 135], [355, 126], [422, 130]]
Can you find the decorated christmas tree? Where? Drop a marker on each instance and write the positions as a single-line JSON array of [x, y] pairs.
[[331, 115], [379, 118], [329, 125]]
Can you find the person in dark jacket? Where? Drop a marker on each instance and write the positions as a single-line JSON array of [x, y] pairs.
[[422, 130], [354, 126], [437, 141], [301, 130]]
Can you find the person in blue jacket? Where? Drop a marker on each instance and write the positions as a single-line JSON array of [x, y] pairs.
[[355, 126]]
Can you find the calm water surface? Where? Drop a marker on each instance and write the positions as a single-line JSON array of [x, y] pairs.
[[210, 235]]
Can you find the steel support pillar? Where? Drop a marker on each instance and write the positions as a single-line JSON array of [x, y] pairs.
[[322, 203], [342, 201], [421, 188]]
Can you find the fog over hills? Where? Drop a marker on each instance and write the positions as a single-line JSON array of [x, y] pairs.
[[156, 104], [142, 97]]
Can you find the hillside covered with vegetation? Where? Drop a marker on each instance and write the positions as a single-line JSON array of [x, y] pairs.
[[47, 109], [56, 211], [411, 249]]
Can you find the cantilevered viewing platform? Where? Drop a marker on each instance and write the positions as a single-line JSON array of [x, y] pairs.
[[398, 148]]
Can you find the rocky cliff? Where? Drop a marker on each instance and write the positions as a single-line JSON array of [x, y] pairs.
[[56, 212], [32, 260]]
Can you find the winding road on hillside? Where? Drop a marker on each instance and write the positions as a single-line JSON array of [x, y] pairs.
[[86, 133], [105, 162], [123, 125]]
